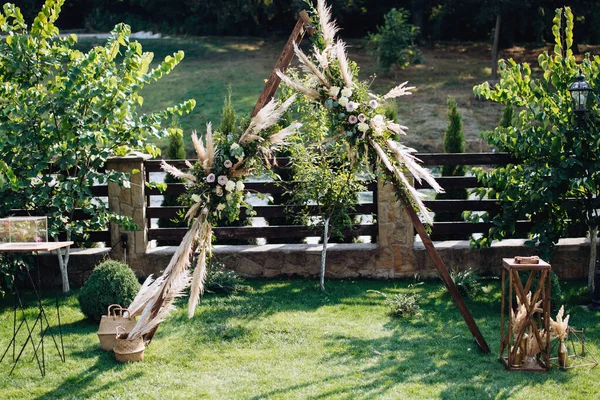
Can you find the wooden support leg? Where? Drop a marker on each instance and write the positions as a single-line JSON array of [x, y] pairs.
[[283, 62], [443, 271]]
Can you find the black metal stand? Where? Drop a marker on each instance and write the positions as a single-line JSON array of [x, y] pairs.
[[42, 322]]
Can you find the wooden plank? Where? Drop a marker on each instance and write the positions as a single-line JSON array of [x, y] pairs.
[[283, 62], [443, 271], [489, 205], [466, 158], [451, 182], [100, 190], [245, 232], [444, 228], [261, 211], [260, 187]]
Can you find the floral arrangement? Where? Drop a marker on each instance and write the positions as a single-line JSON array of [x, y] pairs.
[[215, 192], [357, 115]]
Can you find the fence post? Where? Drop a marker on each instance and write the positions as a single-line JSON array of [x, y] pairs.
[[396, 234], [130, 202]]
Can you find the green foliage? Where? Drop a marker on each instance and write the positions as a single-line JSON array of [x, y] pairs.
[[454, 142], [112, 282], [394, 43], [12, 267], [557, 179], [467, 281], [67, 111], [222, 281], [402, 305]]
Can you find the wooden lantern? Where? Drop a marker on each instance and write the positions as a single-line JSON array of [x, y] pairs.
[[536, 322]]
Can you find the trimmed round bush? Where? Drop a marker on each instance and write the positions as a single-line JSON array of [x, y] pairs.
[[112, 282]]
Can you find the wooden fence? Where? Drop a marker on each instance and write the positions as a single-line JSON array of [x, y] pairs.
[[301, 231]]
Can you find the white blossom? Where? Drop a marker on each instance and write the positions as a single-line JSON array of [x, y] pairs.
[[219, 191], [362, 117], [363, 127], [239, 185], [346, 92], [220, 207], [373, 104], [230, 186], [334, 91], [352, 119], [195, 198], [343, 101], [227, 163], [210, 178]]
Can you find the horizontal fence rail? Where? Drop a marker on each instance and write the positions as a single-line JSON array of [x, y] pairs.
[[278, 226]]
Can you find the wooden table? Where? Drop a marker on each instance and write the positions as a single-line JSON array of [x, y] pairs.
[[41, 318]]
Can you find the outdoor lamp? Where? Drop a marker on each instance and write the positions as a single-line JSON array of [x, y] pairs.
[[580, 90]]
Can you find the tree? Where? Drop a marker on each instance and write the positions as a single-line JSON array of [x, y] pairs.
[[64, 113], [557, 180], [454, 142], [331, 186], [394, 42]]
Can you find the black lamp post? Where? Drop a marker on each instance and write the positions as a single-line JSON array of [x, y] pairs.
[[580, 91]]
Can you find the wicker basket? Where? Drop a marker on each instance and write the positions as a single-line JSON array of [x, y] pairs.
[[117, 316], [128, 350]]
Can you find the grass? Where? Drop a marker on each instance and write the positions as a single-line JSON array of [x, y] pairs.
[[288, 340], [212, 64]]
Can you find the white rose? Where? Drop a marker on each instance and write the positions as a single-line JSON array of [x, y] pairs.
[[343, 101], [195, 198], [362, 127], [334, 91], [234, 146], [229, 186], [346, 92], [373, 104], [239, 185], [228, 197], [378, 121], [220, 207]]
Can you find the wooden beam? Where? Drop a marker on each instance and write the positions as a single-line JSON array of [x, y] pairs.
[[443, 271], [283, 62]]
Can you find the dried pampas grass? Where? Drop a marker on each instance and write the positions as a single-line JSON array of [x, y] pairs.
[[560, 327]]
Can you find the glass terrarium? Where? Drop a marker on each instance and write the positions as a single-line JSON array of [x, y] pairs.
[[23, 229]]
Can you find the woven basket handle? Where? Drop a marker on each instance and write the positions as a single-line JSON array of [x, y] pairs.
[[113, 309], [119, 333]]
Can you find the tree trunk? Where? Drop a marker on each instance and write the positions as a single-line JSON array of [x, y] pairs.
[[593, 255], [63, 262], [324, 252], [494, 77]]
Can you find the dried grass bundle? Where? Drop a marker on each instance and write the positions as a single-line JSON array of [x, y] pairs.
[[560, 327], [519, 320], [328, 27], [533, 346]]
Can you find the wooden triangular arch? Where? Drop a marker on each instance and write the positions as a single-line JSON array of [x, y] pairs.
[[302, 26]]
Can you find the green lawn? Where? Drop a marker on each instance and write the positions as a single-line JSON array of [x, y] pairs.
[[287, 340], [212, 64]]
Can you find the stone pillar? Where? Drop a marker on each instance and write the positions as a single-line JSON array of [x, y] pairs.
[[129, 202], [396, 234]]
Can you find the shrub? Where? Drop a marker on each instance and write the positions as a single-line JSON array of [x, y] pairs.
[[402, 305], [221, 281], [111, 282], [393, 44], [467, 281], [454, 142]]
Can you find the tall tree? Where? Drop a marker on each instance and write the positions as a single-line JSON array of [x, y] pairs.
[[557, 181], [64, 113]]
